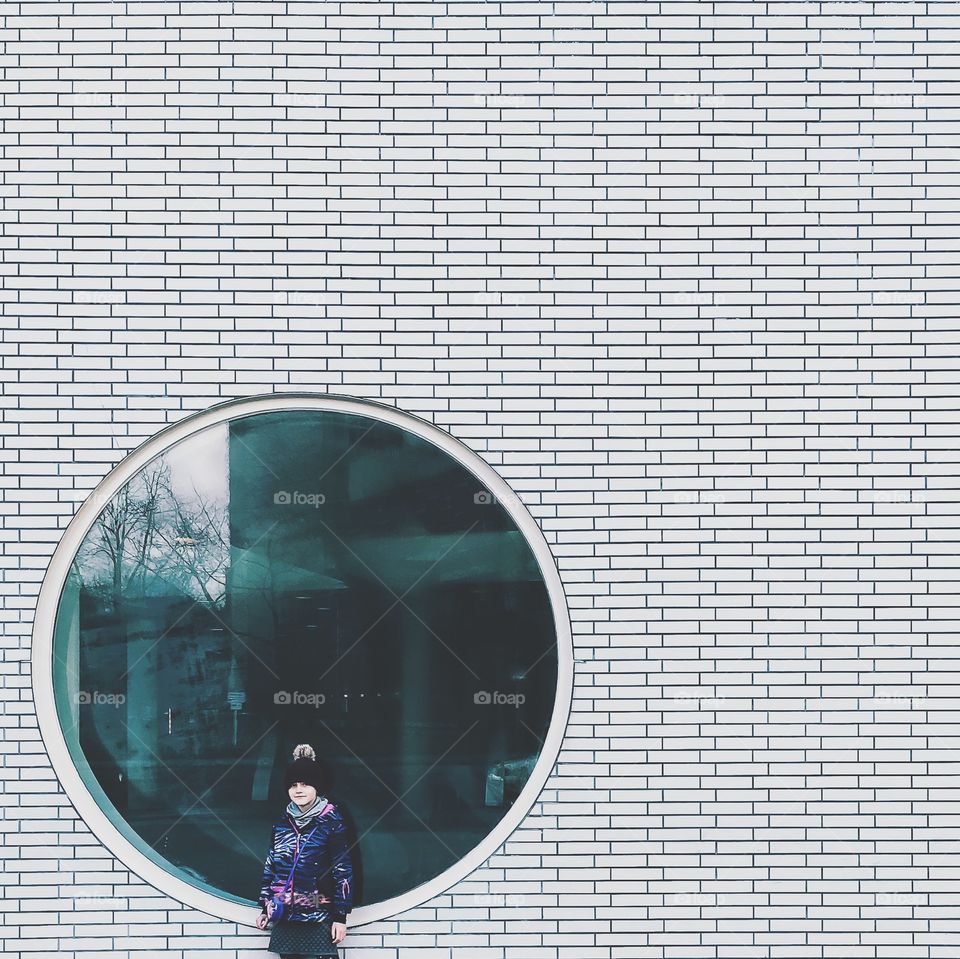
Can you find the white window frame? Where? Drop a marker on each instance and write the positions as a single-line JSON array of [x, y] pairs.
[[54, 581]]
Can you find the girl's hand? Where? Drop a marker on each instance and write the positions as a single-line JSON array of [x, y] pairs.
[[338, 932], [262, 920]]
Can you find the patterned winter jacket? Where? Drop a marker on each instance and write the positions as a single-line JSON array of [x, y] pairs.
[[324, 875]]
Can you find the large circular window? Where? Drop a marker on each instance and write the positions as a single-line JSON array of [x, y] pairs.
[[302, 568]]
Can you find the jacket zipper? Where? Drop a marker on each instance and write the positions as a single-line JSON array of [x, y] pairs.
[[293, 879]]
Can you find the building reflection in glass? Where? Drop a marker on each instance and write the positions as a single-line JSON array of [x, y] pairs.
[[305, 576]]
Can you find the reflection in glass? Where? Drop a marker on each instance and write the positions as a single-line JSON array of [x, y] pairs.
[[305, 576]]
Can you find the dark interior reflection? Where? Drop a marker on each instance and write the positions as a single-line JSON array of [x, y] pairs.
[[306, 576]]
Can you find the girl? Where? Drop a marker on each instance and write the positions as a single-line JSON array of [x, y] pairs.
[[318, 900]]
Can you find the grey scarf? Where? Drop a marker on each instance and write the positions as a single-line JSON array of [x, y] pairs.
[[300, 818]]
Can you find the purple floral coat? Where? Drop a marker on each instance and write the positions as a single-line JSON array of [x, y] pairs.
[[324, 875]]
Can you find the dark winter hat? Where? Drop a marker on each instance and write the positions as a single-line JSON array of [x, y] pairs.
[[305, 769]]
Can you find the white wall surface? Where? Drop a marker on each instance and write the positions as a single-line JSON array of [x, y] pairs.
[[685, 274]]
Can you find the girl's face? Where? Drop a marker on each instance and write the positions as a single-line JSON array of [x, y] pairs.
[[302, 794]]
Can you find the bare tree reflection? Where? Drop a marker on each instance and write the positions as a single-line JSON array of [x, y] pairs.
[[149, 538]]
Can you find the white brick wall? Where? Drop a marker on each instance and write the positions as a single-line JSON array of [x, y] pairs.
[[685, 273]]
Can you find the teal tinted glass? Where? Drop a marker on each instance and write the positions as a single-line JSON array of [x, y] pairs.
[[305, 576]]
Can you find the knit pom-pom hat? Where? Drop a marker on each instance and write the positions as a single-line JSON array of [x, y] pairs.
[[305, 769]]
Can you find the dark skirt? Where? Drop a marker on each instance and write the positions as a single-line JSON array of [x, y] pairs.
[[302, 939]]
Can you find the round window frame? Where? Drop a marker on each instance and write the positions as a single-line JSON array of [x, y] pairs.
[[51, 590]]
